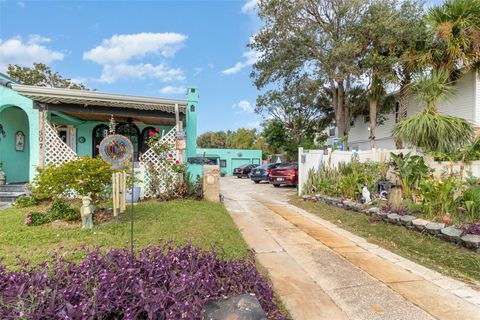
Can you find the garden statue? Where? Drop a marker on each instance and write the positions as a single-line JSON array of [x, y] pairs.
[[3, 178], [86, 211], [366, 195]]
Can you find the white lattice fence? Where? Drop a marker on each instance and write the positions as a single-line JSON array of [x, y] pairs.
[[55, 150], [155, 164]]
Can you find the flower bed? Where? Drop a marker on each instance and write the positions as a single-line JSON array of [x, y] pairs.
[[399, 217], [166, 282]]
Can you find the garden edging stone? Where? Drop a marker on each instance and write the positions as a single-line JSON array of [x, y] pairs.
[[472, 241], [435, 227], [406, 220], [420, 224], [440, 230], [452, 234]]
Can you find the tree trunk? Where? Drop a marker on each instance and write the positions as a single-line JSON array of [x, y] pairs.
[[340, 114], [403, 103], [373, 120]]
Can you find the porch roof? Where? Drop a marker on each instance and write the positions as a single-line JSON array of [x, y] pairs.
[[95, 98]]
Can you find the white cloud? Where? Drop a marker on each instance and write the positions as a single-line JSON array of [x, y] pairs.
[[173, 90], [250, 58], [198, 70], [112, 73], [21, 4], [249, 6], [16, 51], [116, 54], [121, 48], [244, 106]]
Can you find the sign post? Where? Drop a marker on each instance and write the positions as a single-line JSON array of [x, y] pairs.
[[117, 150]]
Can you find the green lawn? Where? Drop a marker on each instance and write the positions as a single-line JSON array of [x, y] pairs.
[[206, 224], [445, 257]]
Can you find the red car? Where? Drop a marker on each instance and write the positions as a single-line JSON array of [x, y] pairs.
[[286, 173]]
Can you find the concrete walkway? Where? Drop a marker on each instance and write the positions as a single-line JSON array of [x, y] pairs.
[[324, 272]]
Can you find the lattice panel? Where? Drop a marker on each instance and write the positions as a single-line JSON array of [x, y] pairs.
[[56, 151], [152, 159]]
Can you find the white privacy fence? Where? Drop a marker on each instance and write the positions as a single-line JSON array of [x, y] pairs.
[[316, 159]]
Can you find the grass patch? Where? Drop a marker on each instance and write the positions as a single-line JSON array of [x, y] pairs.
[[444, 257], [204, 223]]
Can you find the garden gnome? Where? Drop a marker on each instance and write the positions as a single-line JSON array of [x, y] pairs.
[[86, 211], [366, 195]]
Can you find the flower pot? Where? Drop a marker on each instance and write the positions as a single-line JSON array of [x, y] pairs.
[[136, 195]]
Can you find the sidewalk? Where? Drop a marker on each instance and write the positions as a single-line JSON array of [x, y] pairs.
[[324, 272]]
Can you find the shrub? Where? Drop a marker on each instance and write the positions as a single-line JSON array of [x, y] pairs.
[[84, 176], [60, 210], [347, 180], [25, 202], [165, 282]]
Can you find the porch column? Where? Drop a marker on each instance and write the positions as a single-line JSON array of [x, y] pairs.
[[191, 127]]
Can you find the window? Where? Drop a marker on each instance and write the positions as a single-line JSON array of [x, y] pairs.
[[331, 132], [144, 139], [130, 131], [223, 163], [98, 133]]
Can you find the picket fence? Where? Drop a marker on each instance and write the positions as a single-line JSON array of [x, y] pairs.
[[316, 159]]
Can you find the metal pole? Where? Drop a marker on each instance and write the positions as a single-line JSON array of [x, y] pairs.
[[131, 209]]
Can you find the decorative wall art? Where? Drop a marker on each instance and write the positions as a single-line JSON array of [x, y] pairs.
[[19, 141]]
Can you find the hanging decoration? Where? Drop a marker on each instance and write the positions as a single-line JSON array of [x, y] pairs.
[[111, 125], [116, 149], [2, 132], [19, 141]]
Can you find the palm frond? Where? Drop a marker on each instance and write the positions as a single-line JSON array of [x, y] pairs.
[[434, 132]]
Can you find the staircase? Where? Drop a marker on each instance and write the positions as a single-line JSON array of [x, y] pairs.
[[10, 192]]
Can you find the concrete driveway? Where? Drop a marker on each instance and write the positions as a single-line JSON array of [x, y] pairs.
[[324, 272]]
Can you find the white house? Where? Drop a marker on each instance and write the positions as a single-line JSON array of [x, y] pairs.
[[465, 103]]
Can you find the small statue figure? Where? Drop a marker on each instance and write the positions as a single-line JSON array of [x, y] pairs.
[[86, 211], [3, 178], [366, 195]]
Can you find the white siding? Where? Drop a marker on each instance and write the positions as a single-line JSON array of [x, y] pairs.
[[460, 104], [465, 103]]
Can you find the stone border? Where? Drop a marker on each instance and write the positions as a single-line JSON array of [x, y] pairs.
[[451, 234]]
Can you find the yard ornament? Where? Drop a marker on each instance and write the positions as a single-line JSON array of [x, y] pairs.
[[366, 195], [86, 211]]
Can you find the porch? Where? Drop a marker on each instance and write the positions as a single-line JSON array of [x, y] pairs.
[[71, 123]]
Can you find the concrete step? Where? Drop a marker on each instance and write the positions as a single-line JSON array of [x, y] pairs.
[[10, 197], [12, 188]]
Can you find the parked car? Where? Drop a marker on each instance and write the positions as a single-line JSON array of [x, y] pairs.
[[286, 173], [261, 173], [244, 170]]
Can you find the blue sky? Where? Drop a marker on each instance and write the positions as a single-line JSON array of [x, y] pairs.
[[151, 48]]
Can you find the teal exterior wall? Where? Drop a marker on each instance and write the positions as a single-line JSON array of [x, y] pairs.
[[17, 114], [233, 159]]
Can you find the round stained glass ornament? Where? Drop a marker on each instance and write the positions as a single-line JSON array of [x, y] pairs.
[[116, 149]]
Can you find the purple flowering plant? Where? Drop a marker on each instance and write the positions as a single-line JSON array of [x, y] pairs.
[[159, 282], [473, 228]]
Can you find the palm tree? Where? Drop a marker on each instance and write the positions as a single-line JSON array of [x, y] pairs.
[[454, 37], [429, 130]]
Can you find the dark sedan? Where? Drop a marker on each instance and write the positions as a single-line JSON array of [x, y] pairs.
[[244, 170], [286, 173], [262, 172]]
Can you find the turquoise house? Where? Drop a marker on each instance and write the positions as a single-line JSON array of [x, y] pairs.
[[40, 125], [227, 159]]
